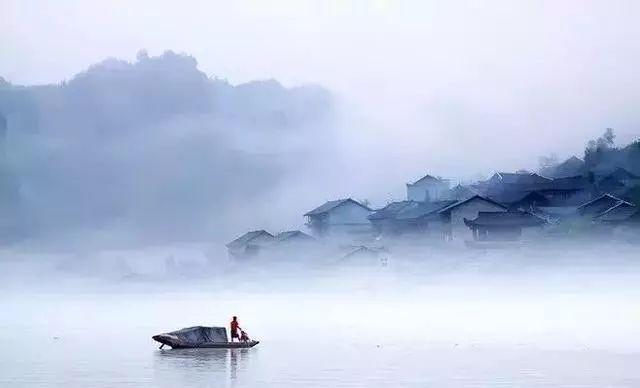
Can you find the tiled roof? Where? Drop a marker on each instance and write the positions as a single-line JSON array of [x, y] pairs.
[[619, 212], [421, 209], [330, 205], [427, 178], [475, 197], [247, 238], [390, 211], [296, 234]]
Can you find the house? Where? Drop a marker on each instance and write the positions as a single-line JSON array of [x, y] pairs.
[[422, 218], [570, 167], [618, 173], [428, 188], [409, 217], [249, 244], [530, 200], [452, 216], [555, 214], [293, 245], [369, 256], [611, 184], [517, 190], [502, 226], [518, 181], [567, 191], [624, 176], [509, 188], [342, 218], [616, 181], [384, 221], [460, 192], [597, 206], [293, 238], [622, 213]]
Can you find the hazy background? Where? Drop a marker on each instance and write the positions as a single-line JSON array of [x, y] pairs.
[[457, 89], [123, 172]]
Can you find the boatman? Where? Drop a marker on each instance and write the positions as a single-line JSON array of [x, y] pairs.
[[234, 329]]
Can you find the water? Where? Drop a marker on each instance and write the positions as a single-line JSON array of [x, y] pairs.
[[566, 327]]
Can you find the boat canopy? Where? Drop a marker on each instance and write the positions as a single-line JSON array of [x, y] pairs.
[[201, 334]]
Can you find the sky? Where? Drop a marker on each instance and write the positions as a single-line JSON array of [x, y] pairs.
[[423, 82]]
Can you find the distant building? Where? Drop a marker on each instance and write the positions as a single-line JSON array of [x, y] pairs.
[[599, 205], [342, 218], [611, 184], [508, 188], [619, 173], [428, 188], [518, 181], [624, 176], [452, 216], [530, 200], [502, 226], [622, 213], [249, 244], [567, 191], [460, 192], [527, 190], [570, 167], [615, 181], [409, 217], [384, 221], [293, 238], [369, 256], [555, 214]]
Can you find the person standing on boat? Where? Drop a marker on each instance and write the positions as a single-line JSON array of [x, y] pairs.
[[235, 327]]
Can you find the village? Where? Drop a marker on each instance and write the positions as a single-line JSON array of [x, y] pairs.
[[508, 210]]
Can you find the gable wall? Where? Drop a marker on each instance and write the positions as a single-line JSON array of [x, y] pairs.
[[469, 211], [437, 190], [262, 239], [348, 213]]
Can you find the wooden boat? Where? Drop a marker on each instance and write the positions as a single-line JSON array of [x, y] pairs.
[[200, 337]]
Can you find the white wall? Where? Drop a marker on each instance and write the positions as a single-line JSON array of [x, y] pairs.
[[437, 190], [348, 213], [347, 219]]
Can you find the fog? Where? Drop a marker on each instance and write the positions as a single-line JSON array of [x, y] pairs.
[[403, 88], [136, 139], [531, 318], [440, 71], [157, 151]]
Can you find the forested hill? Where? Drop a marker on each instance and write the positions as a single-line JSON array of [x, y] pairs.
[[152, 149], [601, 157], [115, 95]]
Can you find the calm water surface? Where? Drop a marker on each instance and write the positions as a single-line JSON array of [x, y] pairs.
[[375, 333]]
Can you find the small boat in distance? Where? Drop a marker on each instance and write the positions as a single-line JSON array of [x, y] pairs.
[[200, 337]]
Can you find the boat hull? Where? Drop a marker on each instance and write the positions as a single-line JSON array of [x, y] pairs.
[[200, 337]]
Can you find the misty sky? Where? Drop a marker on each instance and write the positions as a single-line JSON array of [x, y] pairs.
[[423, 82]]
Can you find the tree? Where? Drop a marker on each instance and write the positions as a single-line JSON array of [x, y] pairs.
[[547, 164], [599, 149]]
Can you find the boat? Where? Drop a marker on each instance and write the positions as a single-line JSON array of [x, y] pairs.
[[200, 337]]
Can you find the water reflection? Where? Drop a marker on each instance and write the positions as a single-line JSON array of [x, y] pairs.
[[173, 367]]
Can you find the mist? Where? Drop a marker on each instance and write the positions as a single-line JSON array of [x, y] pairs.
[[426, 78], [533, 318], [155, 149], [404, 88], [385, 193]]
